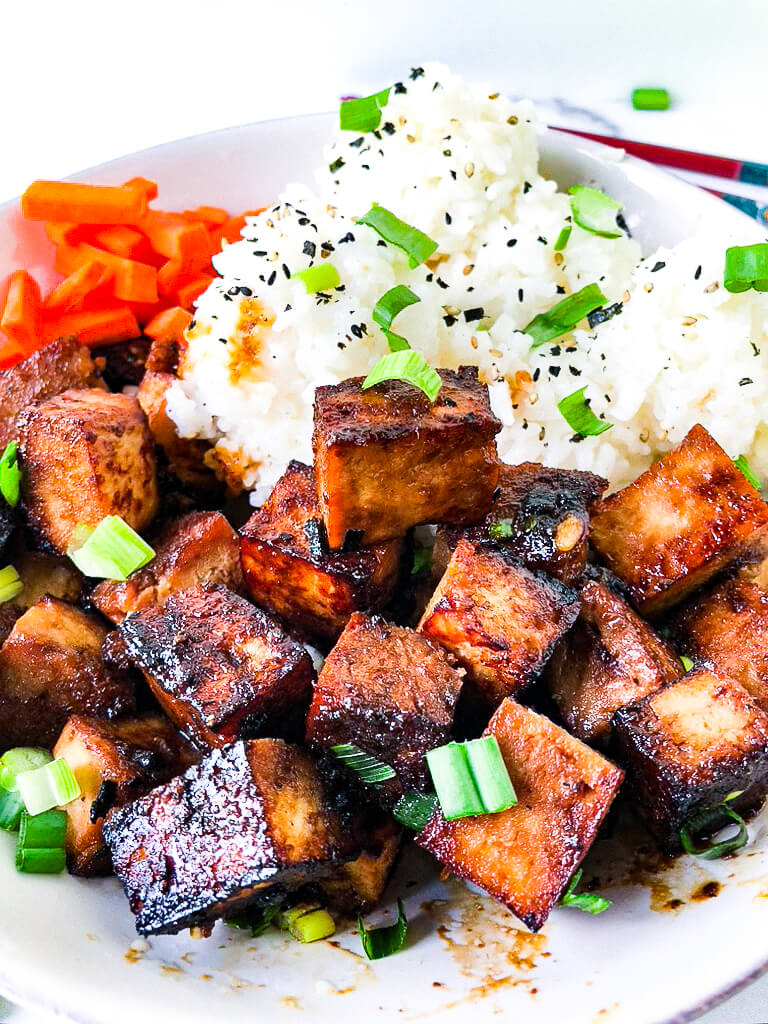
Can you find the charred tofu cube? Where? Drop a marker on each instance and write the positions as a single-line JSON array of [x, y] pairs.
[[114, 763], [499, 619], [387, 459], [52, 666], [219, 667], [249, 817], [540, 514], [290, 570], [689, 746], [610, 658], [86, 455], [525, 856], [390, 691], [359, 884], [124, 363], [201, 547], [689, 515]]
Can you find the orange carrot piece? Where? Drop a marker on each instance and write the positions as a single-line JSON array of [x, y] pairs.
[[122, 241], [131, 281], [63, 234], [95, 326], [188, 292], [149, 188], [211, 216], [231, 229], [176, 239], [172, 275], [169, 325], [71, 292], [22, 315], [75, 202]]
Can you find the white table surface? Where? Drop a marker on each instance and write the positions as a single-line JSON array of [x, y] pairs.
[[84, 81]]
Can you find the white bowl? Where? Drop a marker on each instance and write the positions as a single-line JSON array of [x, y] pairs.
[[65, 944]]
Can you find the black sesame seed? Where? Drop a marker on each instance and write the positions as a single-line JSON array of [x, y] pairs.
[[400, 88], [541, 239], [382, 243], [429, 276], [520, 294], [697, 275], [357, 143], [449, 320], [366, 167], [309, 249], [356, 331], [554, 371], [555, 350], [436, 86], [337, 164], [574, 371], [303, 221], [745, 380], [512, 242], [388, 127], [288, 308], [327, 246], [536, 374], [192, 323], [453, 174], [447, 152], [477, 313], [527, 187], [341, 345], [271, 278], [286, 271], [448, 218], [599, 316], [560, 290], [658, 266], [259, 252], [416, 73], [349, 237], [576, 438], [440, 282]]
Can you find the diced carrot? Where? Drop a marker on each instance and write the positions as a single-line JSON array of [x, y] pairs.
[[149, 188], [172, 275], [169, 325], [176, 239], [211, 216], [75, 202], [63, 234], [131, 281], [122, 241], [145, 311], [188, 292], [95, 326], [22, 314], [231, 229], [70, 293]]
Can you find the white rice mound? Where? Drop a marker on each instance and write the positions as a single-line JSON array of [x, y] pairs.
[[460, 163]]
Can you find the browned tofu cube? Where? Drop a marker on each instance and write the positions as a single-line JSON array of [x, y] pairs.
[[386, 459], [9, 613], [391, 692], [114, 763], [86, 455], [52, 666], [201, 547], [689, 515], [43, 573], [290, 570], [359, 884], [610, 658], [219, 667], [499, 619], [727, 626], [525, 856], [124, 363], [689, 746], [250, 817], [540, 514]]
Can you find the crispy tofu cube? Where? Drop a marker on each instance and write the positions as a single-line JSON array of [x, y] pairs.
[[500, 620], [525, 856], [252, 816], [359, 884], [43, 573], [52, 666], [689, 746], [201, 547], [86, 455], [290, 571], [610, 658], [114, 763], [386, 459], [219, 667], [9, 613], [546, 512], [391, 692], [689, 515]]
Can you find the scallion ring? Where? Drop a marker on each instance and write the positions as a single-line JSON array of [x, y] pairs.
[[564, 316]]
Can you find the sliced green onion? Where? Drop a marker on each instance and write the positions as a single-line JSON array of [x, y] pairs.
[[562, 239], [490, 774], [381, 942], [746, 266], [41, 862], [594, 211], [40, 846], [579, 417], [321, 278], [712, 849], [415, 244], [650, 99], [744, 467], [589, 902], [111, 551], [364, 114], [471, 778], [11, 806], [312, 926], [386, 309], [422, 558], [18, 760], [53, 785], [686, 663], [409, 367], [564, 316], [256, 920], [414, 809], [502, 530], [367, 767], [10, 584], [10, 474]]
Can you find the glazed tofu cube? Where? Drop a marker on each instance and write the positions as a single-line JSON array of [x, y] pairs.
[[610, 658], [500, 620], [525, 856], [359, 884], [689, 746], [52, 666], [86, 455], [201, 547], [114, 763], [290, 570], [545, 513], [219, 667], [43, 573], [9, 613], [252, 816], [386, 459], [689, 515], [391, 692]]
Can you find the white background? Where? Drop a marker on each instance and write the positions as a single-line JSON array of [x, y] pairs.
[[82, 82]]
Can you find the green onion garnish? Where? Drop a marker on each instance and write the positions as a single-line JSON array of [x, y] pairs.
[[409, 367], [744, 467], [579, 417], [415, 244], [256, 920], [422, 557], [686, 663], [471, 778], [414, 809], [364, 114], [594, 211], [321, 278], [564, 316], [746, 266], [10, 474], [502, 530], [307, 922], [386, 309], [586, 901], [11, 806], [53, 785], [111, 551], [367, 767], [381, 942], [10, 584], [650, 99], [18, 760], [40, 846], [712, 850], [562, 239]]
